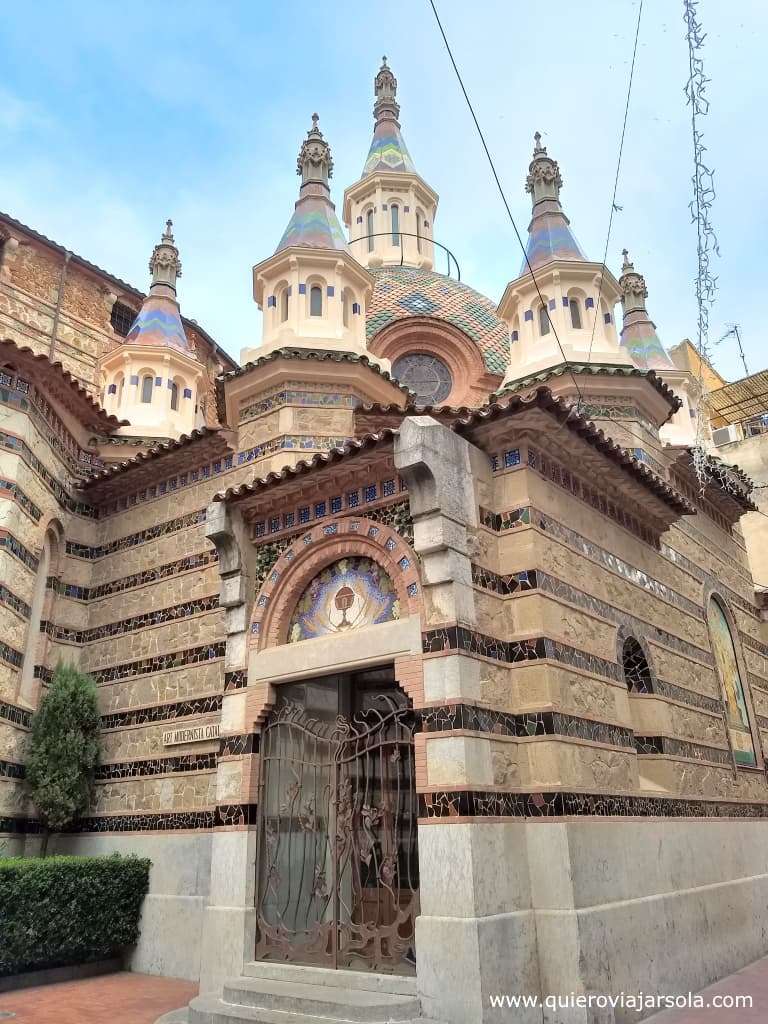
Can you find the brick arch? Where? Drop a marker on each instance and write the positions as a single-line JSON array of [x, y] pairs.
[[310, 553], [471, 381]]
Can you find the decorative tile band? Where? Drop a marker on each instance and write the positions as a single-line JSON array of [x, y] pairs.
[[157, 617], [9, 598], [352, 501], [159, 663], [131, 540], [671, 747], [161, 712], [312, 399], [11, 490], [245, 743], [450, 717], [156, 766], [11, 770], [474, 804], [236, 680], [10, 655], [224, 816], [19, 826], [19, 447], [15, 715], [12, 544], [137, 579], [690, 697]]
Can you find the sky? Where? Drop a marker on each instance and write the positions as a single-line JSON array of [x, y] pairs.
[[114, 117]]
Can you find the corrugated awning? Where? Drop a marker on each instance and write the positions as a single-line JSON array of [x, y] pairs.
[[741, 400]]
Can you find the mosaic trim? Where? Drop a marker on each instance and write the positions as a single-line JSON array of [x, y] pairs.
[[459, 638], [313, 399], [133, 539], [693, 698], [532, 579], [11, 490], [10, 655], [19, 826], [156, 766], [450, 717], [161, 712], [208, 470], [10, 543], [12, 770], [235, 746], [136, 579], [7, 597], [701, 503], [170, 821], [159, 663], [154, 618], [236, 680], [331, 504], [668, 746], [478, 804], [43, 415], [642, 456], [20, 447], [16, 715], [609, 410]]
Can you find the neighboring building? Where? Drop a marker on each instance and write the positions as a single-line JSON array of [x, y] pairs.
[[464, 686]]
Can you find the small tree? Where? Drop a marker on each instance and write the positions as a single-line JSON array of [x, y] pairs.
[[64, 750]]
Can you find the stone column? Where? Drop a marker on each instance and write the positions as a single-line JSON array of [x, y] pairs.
[[229, 923], [475, 936]]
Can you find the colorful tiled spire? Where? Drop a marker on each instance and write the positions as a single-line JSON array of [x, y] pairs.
[[549, 233], [314, 223], [158, 321], [388, 151], [638, 335]]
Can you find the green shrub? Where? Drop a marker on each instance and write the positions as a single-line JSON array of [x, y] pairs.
[[67, 910]]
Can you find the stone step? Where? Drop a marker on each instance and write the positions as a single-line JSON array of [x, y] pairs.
[[399, 984], [330, 1001], [210, 1009]]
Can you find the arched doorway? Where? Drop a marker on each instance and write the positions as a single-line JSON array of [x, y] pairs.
[[337, 867]]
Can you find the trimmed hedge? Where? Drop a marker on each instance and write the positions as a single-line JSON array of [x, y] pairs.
[[65, 910]]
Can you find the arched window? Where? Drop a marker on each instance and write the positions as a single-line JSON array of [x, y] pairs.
[[637, 672], [147, 384], [543, 320], [120, 382], [48, 560], [315, 300], [418, 230], [369, 229], [174, 396], [573, 305], [727, 665], [284, 297], [346, 303], [395, 213]]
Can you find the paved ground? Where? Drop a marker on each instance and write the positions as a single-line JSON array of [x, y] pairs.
[[111, 999], [749, 981]]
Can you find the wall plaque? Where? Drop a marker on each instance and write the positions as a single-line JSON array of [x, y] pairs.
[[190, 734]]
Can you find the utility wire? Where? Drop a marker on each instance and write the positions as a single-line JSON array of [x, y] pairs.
[[504, 198], [616, 179]]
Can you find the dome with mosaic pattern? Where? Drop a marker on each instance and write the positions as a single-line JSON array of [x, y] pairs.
[[402, 292]]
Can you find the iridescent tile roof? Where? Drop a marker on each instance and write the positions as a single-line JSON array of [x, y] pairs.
[[643, 344], [314, 225], [158, 323], [388, 150], [550, 238], [402, 292]]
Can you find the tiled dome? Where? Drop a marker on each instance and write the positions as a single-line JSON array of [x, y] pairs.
[[401, 292]]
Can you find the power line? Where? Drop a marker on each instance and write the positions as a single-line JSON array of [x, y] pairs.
[[616, 179], [503, 196]]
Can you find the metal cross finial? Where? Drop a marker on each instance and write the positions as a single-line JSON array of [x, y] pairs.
[[384, 60], [168, 234], [625, 253], [315, 119]]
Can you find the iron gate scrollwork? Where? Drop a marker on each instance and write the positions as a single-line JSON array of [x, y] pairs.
[[337, 864]]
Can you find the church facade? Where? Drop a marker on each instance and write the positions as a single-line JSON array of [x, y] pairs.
[[429, 671]]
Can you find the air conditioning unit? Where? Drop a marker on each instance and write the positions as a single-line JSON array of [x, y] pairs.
[[725, 435]]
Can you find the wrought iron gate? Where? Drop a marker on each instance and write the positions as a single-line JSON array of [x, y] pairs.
[[337, 865]]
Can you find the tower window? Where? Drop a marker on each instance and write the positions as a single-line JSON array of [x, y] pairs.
[[637, 672], [146, 389], [369, 229], [122, 318], [315, 300], [174, 396], [284, 296], [573, 305], [543, 320], [345, 303], [395, 214], [418, 231]]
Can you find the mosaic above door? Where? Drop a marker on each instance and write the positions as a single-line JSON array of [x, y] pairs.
[[348, 594]]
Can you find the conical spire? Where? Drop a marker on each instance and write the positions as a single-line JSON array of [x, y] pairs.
[[638, 335], [158, 321], [314, 223], [549, 234], [388, 151]]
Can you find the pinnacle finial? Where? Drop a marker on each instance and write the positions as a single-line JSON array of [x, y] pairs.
[[544, 180], [164, 264], [168, 233], [385, 89], [384, 61], [314, 162], [537, 146], [315, 119]]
